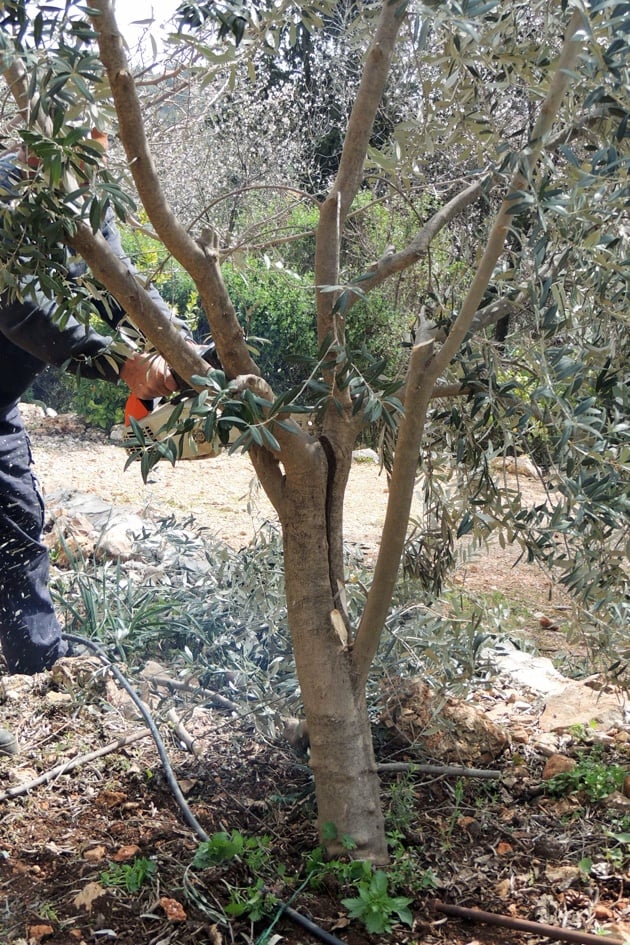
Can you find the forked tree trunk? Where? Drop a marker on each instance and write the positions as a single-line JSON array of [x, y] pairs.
[[342, 756]]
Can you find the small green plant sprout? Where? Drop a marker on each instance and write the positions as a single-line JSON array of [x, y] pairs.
[[129, 875], [618, 854], [253, 901], [47, 912], [402, 808], [346, 872], [585, 866], [223, 847], [591, 776], [375, 907], [220, 848], [329, 832], [582, 732]]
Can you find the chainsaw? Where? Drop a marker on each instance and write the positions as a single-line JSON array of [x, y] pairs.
[[152, 418]]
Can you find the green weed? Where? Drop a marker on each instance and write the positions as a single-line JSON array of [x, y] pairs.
[[375, 907], [253, 900], [223, 847], [131, 876], [591, 777]]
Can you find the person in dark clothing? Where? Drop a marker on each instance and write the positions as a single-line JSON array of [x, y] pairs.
[[31, 337]]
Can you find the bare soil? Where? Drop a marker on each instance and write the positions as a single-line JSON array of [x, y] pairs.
[[223, 496], [501, 845]]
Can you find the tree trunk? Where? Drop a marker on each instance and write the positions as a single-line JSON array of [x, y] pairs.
[[342, 756]]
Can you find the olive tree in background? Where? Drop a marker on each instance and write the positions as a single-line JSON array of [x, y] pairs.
[[508, 152]]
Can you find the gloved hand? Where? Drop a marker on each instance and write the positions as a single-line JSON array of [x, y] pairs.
[[148, 376]]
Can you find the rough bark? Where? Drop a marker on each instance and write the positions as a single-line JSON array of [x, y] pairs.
[[342, 756]]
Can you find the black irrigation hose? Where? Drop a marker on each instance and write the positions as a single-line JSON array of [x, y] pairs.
[[308, 925], [189, 817]]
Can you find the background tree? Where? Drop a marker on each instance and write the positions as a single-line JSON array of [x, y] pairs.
[[510, 129]]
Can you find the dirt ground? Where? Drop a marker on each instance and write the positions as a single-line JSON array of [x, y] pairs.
[[223, 497], [71, 846]]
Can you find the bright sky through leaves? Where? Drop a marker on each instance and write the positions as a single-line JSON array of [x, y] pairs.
[[132, 18]]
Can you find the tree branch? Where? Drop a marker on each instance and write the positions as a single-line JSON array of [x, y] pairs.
[[105, 265], [520, 182], [418, 394], [393, 263], [493, 313], [165, 335], [440, 771], [200, 259], [349, 176], [425, 368], [70, 765]]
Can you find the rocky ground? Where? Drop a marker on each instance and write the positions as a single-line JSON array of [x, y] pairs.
[[95, 848]]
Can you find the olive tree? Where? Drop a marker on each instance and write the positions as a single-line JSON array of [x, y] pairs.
[[512, 120]]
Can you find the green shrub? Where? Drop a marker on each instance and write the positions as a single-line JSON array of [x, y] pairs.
[[279, 307], [54, 388], [100, 402]]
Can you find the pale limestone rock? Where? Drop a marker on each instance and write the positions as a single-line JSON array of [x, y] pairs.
[[578, 704], [16, 687], [78, 672], [55, 699]]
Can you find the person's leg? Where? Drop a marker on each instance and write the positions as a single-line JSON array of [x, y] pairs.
[[29, 632]]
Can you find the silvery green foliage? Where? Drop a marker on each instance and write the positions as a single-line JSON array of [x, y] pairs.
[[204, 608], [256, 87]]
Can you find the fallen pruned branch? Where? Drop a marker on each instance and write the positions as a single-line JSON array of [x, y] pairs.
[[445, 771], [73, 763], [539, 929]]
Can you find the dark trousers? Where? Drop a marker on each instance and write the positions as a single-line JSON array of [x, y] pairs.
[[29, 632]]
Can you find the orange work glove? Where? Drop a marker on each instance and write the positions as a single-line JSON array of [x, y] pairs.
[[148, 376]]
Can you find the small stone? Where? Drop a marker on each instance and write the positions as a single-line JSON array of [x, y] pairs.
[[95, 854], [602, 912], [557, 764], [562, 877], [470, 825], [503, 888], [618, 801], [126, 853], [173, 909], [519, 734], [38, 933], [15, 688], [546, 742], [365, 456], [54, 698]]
